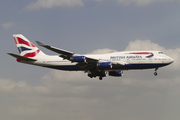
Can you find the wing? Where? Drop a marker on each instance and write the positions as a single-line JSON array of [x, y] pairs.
[[96, 61], [57, 50], [86, 63], [21, 57]]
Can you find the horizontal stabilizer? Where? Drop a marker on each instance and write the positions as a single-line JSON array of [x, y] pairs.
[[21, 57]]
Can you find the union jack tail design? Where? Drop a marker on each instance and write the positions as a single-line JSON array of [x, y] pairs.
[[25, 47]]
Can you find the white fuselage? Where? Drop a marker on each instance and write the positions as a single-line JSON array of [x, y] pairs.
[[94, 64], [130, 59]]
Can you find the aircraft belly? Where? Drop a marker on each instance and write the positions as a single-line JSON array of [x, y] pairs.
[[65, 67], [126, 67], [139, 66]]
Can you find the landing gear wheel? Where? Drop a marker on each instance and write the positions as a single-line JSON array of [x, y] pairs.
[[100, 78], [155, 73]]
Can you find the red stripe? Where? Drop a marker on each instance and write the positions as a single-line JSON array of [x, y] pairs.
[[33, 54], [142, 53], [21, 41], [15, 40]]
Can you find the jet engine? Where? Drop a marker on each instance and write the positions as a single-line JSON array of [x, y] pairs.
[[104, 65], [78, 59], [116, 73]]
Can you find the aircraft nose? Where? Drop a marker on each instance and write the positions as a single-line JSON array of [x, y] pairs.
[[172, 60]]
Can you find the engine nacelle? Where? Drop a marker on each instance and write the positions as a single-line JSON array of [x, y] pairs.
[[116, 73], [104, 65], [78, 59]]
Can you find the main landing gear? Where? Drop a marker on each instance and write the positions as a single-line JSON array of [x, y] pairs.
[[155, 73], [100, 78]]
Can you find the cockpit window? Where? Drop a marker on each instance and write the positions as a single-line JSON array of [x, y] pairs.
[[160, 52]]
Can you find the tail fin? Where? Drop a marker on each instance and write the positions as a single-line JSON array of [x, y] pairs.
[[25, 47]]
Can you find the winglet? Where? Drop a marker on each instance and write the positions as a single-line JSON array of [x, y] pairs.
[[40, 43]]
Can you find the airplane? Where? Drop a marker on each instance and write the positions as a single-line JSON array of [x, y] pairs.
[[95, 65]]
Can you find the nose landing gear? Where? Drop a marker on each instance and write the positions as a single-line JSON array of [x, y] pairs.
[[155, 73]]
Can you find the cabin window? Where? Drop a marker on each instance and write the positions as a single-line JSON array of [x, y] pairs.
[[160, 52]]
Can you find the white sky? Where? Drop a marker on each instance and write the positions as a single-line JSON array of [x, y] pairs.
[[90, 26]]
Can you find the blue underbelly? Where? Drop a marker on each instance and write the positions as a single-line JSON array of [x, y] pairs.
[[125, 67]]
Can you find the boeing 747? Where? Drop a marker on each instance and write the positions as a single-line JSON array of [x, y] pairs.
[[95, 65]]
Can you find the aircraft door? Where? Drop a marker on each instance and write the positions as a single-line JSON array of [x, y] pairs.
[[150, 60], [44, 62], [128, 61]]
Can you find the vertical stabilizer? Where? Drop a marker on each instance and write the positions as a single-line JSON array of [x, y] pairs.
[[26, 48]]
